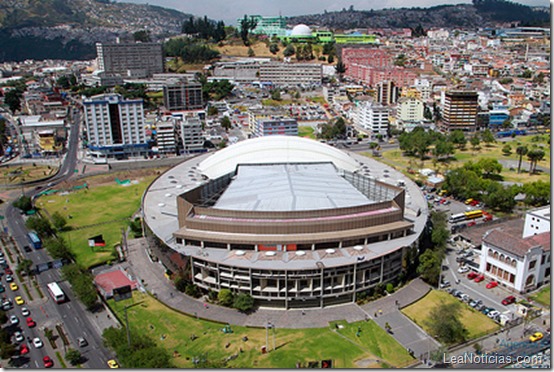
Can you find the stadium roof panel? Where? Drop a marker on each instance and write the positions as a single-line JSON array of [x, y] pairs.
[[289, 187]]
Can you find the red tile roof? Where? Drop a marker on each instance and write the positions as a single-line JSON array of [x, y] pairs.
[[516, 244], [107, 282]]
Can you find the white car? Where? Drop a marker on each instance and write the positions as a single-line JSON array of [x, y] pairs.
[[493, 314], [14, 319], [37, 342], [25, 311], [19, 336], [463, 269]]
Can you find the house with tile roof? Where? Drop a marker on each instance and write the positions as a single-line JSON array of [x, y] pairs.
[[519, 260]]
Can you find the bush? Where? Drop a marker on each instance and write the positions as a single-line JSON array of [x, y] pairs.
[[390, 288], [243, 302], [225, 297], [181, 284], [192, 290]]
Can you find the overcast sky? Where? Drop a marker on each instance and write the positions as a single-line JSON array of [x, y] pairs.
[[230, 10]]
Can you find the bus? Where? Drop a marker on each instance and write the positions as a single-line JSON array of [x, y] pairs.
[[474, 214], [56, 292], [35, 240], [457, 218]]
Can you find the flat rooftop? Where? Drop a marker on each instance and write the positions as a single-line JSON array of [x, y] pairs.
[[289, 187]]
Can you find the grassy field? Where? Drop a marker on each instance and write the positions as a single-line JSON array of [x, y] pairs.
[[476, 323], [15, 174], [543, 296], [374, 346], [306, 131], [92, 206], [394, 158]]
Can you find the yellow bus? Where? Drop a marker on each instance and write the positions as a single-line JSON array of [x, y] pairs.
[[474, 214]]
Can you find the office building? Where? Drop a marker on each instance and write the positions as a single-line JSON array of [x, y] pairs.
[[292, 74], [191, 134], [387, 93], [115, 126], [460, 111], [182, 95], [166, 137], [372, 117], [130, 59]]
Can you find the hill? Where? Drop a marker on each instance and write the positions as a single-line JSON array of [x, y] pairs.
[[68, 29], [481, 13]]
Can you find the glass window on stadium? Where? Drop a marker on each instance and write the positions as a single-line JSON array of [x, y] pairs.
[[244, 247], [195, 243], [303, 247], [215, 245], [352, 243], [327, 245]]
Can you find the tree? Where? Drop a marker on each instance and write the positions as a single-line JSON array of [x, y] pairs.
[[142, 35], [246, 25], [535, 155], [13, 99], [289, 51], [226, 123], [276, 94], [537, 193], [340, 69], [521, 151], [489, 167], [3, 317], [487, 137], [73, 356], [507, 150], [24, 265], [243, 302], [443, 149], [444, 322], [225, 297], [330, 59], [400, 60], [440, 233], [273, 48], [251, 52], [458, 138], [499, 197], [57, 248], [41, 225], [59, 221], [85, 290], [24, 203], [429, 267]]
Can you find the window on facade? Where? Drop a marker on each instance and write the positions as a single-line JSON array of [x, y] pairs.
[[512, 278], [532, 264]]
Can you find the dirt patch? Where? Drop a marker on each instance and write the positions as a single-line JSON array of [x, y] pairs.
[[368, 363], [109, 178]]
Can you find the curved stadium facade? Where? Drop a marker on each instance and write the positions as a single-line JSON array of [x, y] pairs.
[[290, 221]]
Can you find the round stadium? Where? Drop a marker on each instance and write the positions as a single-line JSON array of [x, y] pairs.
[[291, 221]]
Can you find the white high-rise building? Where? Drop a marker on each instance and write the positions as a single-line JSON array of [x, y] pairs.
[[409, 109], [165, 137], [115, 126], [372, 117], [191, 135]]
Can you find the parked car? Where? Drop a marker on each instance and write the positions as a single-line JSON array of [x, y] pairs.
[[2, 288], [445, 284], [479, 278], [37, 343], [508, 300], [25, 311], [472, 275], [14, 287], [493, 314], [23, 349], [18, 336], [9, 278], [48, 362], [19, 300], [465, 297], [14, 319], [463, 269], [113, 363], [492, 284], [30, 322]]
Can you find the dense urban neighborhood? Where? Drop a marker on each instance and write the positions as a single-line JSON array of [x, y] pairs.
[[353, 189]]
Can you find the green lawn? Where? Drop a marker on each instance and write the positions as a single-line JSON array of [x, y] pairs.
[[395, 158], [476, 323], [542, 296], [110, 205], [292, 345], [306, 131]]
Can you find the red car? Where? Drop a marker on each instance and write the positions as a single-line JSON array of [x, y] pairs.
[[508, 300], [474, 203], [23, 349], [472, 275], [8, 271], [48, 363], [30, 322], [492, 285], [479, 278]]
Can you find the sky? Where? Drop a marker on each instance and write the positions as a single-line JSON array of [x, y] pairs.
[[230, 10]]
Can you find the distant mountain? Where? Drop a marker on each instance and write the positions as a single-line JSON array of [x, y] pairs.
[[481, 13], [68, 29]]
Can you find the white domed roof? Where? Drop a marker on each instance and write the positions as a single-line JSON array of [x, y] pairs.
[[274, 149], [301, 30]]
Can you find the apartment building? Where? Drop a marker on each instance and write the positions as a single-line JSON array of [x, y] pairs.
[[292, 74], [166, 137], [460, 111], [130, 59], [372, 117], [409, 109], [182, 95], [387, 93], [191, 134], [115, 126]]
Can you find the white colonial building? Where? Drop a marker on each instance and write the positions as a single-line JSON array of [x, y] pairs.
[[520, 262]]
